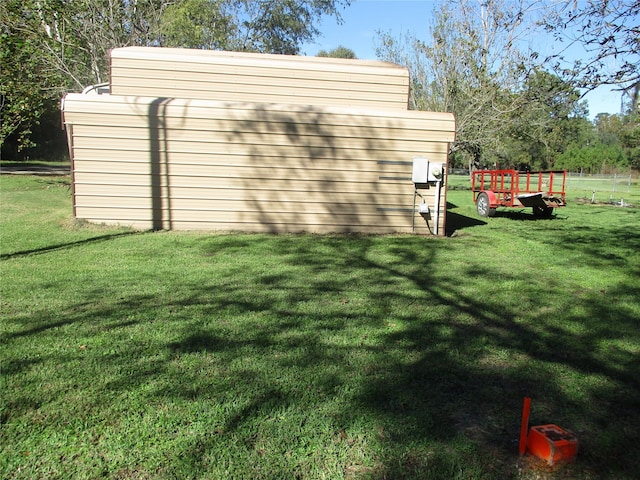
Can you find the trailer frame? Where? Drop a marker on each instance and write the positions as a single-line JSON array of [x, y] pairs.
[[542, 191]]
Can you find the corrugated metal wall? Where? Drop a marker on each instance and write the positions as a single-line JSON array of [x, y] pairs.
[[260, 78], [152, 162]]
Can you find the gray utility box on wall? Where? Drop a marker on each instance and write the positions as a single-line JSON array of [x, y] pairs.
[[425, 171]]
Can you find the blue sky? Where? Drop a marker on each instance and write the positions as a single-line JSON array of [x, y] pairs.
[[366, 17]]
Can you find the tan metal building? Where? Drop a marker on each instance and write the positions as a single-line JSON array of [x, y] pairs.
[[258, 78], [173, 162]]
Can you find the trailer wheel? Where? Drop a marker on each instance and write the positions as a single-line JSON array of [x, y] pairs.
[[542, 212], [484, 206]]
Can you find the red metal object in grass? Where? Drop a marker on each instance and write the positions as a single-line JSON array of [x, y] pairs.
[[552, 444], [547, 442], [543, 191], [524, 425]]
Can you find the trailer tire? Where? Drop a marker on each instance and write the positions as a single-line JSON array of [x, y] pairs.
[[483, 205], [542, 212]]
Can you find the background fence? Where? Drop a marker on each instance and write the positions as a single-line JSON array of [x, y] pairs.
[[615, 188]]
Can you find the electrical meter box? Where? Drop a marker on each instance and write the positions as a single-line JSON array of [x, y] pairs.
[[436, 172], [425, 171]]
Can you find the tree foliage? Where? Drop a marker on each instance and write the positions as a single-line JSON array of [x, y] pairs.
[[592, 158], [274, 26], [21, 103], [48, 47], [512, 108], [623, 130], [609, 33], [474, 65], [338, 52], [552, 117], [196, 24]]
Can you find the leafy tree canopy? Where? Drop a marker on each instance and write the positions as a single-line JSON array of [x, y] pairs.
[[273, 26], [513, 107], [474, 65], [48, 47], [609, 32], [28, 84], [339, 52]]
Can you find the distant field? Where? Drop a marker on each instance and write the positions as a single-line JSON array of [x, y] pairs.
[[171, 355]]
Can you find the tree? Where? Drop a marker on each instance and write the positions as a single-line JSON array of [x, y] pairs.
[[623, 131], [48, 47], [553, 118], [196, 24], [472, 65], [510, 110], [631, 139], [339, 52], [273, 26], [613, 146], [609, 32], [28, 86], [281, 26], [598, 158], [76, 36]]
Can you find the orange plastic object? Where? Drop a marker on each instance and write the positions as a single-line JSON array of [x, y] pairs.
[[524, 425], [552, 443]]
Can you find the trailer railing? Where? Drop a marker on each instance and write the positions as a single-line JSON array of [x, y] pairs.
[[543, 191], [508, 184]]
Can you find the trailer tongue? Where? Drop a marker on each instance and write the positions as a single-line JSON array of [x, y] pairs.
[[542, 191]]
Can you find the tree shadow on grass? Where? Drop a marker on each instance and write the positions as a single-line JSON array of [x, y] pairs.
[[67, 245], [369, 351], [455, 389]]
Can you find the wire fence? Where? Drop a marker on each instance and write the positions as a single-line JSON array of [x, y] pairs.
[[604, 188]]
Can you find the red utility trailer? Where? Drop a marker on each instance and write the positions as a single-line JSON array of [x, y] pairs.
[[543, 191]]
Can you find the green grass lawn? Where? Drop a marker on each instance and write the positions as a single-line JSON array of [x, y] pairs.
[[166, 355]]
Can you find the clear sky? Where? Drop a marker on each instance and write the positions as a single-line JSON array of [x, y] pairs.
[[364, 18]]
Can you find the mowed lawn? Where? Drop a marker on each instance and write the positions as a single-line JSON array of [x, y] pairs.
[[172, 355]]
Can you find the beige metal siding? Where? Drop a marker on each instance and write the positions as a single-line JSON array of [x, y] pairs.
[[205, 165], [250, 77]]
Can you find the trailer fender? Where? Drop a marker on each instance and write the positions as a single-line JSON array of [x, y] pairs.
[[493, 199]]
